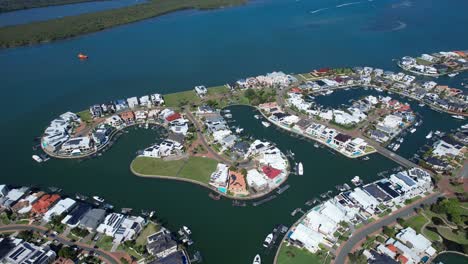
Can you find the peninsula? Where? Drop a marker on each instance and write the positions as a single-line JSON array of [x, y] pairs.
[[72, 26]]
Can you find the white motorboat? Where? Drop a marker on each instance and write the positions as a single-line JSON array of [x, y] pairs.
[[266, 124], [429, 136], [396, 147], [268, 240], [329, 92], [257, 260], [187, 230], [228, 115], [300, 169], [99, 199], [421, 104], [37, 158], [356, 180], [239, 130], [378, 89], [413, 130], [464, 126], [458, 117], [257, 116], [453, 74], [437, 133]]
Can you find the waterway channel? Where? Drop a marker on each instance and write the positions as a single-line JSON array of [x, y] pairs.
[[176, 52]]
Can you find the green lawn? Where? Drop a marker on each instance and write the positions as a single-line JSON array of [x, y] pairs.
[[447, 233], [432, 236], [199, 169], [416, 222], [154, 166], [217, 90], [187, 98], [105, 243], [85, 116], [195, 168], [150, 229], [294, 255]]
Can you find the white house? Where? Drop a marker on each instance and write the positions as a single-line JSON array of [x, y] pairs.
[[201, 90]]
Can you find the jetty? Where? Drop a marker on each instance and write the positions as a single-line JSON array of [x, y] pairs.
[[269, 198]]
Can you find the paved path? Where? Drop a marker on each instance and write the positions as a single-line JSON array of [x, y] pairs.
[[360, 234], [109, 258]]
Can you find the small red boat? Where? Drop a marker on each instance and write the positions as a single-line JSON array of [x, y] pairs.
[[82, 56]]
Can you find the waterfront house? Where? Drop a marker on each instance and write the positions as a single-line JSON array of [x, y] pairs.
[[92, 219], [341, 140], [129, 228], [241, 147], [44, 203], [445, 149], [417, 242], [367, 202], [101, 134], [121, 105], [205, 109], [132, 102], [78, 145], [161, 244], [108, 108], [3, 190], [75, 215], [201, 90], [145, 101], [219, 178], [140, 115], [237, 184], [13, 196], [157, 99], [24, 206], [59, 208], [391, 124], [96, 111], [114, 121], [128, 117], [256, 180]]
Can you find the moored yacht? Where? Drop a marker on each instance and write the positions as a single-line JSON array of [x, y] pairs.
[[187, 230], [99, 199], [429, 136], [465, 126], [458, 117], [413, 130], [37, 158], [257, 260], [268, 240], [300, 169], [356, 180], [266, 124]]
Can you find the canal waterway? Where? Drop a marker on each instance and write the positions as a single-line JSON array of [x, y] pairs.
[[178, 51], [53, 12], [450, 258]]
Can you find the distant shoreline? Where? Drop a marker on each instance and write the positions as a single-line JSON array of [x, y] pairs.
[[73, 26]]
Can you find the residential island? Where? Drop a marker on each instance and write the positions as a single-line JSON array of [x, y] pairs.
[[197, 144]]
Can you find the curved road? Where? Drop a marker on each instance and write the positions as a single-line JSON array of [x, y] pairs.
[[360, 234], [109, 258]]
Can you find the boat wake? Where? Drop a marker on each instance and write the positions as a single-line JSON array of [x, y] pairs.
[[401, 26], [318, 10], [348, 4]]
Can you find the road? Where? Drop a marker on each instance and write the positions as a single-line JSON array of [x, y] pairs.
[[360, 234], [108, 257]]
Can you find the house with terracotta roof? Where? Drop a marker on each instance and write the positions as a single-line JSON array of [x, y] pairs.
[[271, 172], [173, 117], [237, 185], [44, 203], [128, 117]]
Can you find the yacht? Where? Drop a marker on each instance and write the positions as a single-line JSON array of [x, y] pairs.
[[300, 169], [378, 89], [257, 260], [239, 130], [328, 92], [421, 104], [268, 240], [99, 199], [257, 116], [453, 74], [458, 117], [37, 158], [437, 133], [396, 147], [464, 126], [356, 180], [266, 124], [429, 136], [187, 230], [228, 115]]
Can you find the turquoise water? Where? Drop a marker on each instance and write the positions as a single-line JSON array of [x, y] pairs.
[[178, 51], [52, 12]]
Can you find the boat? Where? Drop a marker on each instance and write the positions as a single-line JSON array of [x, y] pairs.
[[187, 230], [356, 181], [82, 56], [37, 158], [328, 92], [300, 169], [413, 130], [257, 116], [437, 133], [421, 104], [239, 130], [228, 115], [458, 117], [465, 126], [187, 241], [266, 124], [429, 136], [401, 140], [98, 199], [378, 89], [316, 145], [453, 74], [257, 260], [366, 158], [396, 147], [268, 240]]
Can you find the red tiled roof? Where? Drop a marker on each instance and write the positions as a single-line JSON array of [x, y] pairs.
[[173, 117], [392, 248], [44, 203], [404, 108], [402, 259], [323, 70], [270, 172], [295, 90]]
